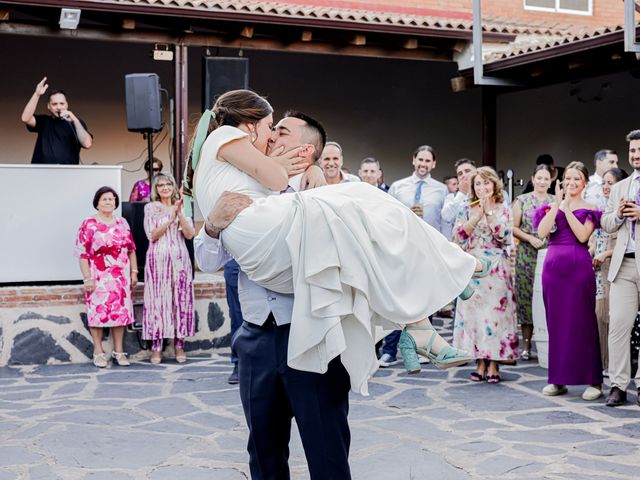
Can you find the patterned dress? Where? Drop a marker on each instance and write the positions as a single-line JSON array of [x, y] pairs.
[[107, 248], [527, 256], [168, 284], [485, 325], [140, 192]]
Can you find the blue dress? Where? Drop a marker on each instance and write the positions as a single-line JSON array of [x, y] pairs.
[[569, 294]]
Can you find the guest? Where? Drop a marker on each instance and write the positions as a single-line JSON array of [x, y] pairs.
[[107, 255], [569, 287], [604, 160], [381, 185], [527, 252], [601, 249], [622, 215], [556, 173], [142, 189], [370, 172], [332, 164], [485, 324], [168, 286], [420, 192], [451, 181]]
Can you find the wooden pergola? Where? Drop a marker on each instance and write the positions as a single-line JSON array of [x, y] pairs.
[[181, 24]]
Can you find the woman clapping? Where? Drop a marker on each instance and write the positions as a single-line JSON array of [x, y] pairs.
[[168, 287]]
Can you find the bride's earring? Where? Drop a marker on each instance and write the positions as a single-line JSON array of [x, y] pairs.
[[254, 137]]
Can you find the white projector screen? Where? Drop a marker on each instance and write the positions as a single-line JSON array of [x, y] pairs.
[[41, 209]]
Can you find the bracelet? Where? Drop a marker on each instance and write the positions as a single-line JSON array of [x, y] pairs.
[[87, 280], [134, 271]]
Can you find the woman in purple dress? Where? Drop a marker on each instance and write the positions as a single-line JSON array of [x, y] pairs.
[[569, 287], [141, 190], [168, 280]]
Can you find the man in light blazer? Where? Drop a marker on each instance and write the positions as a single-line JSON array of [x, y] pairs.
[[623, 215]]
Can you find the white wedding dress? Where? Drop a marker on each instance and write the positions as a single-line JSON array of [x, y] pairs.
[[353, 256]]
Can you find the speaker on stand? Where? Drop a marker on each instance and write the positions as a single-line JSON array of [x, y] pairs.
[[144, 111]]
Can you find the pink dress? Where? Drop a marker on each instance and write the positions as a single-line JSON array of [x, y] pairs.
[[140, 192], [168, 281], [107, 249]]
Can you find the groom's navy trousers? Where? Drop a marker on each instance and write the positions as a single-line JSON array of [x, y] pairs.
[[272, 394]]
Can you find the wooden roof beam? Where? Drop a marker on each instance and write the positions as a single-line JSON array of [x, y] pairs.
[[200, 40]]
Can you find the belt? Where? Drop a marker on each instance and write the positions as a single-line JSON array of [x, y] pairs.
[[630, 255]]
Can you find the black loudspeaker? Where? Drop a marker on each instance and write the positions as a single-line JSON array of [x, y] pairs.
[[221, 74], [142, 94]]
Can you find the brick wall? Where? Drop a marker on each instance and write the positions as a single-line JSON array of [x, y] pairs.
[[61, 295], [605, 12]]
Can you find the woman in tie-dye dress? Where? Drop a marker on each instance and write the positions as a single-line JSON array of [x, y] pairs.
[[168, 280], [485, 324]]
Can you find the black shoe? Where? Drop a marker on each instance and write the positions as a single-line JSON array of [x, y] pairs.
[[233, 378], [616, 397]]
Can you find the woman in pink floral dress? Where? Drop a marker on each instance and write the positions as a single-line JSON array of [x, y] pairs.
[[168, 279], [485, 324], [107, 255]]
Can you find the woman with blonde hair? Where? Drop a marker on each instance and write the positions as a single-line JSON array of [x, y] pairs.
[[485, 324], [569, 287], [168, 276]]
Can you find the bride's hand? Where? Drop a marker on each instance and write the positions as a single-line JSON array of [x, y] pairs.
[[290, 160], [312, 178]]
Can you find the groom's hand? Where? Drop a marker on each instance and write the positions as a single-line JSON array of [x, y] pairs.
[[226, 209]]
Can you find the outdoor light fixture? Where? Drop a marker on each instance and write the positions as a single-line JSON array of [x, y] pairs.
[[69, 18]]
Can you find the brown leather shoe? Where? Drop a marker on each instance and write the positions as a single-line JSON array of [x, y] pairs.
[[616, 397]]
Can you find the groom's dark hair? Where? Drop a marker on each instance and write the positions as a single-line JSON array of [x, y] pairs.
[[315, 133]]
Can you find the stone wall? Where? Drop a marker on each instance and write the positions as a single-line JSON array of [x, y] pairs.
[[48, 325]]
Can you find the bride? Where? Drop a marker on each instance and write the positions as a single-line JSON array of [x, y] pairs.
[[353, 256]]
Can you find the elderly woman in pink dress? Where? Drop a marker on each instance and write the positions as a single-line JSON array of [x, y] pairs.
[[107, 255], [168, 279]]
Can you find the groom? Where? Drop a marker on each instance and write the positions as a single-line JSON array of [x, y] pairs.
[[271, 392]]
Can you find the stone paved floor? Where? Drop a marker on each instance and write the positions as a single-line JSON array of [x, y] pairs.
[[179, 422]]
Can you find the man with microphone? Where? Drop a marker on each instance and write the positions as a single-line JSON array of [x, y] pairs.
[[61, 134]]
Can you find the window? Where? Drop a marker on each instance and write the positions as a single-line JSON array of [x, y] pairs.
[[578, 7]]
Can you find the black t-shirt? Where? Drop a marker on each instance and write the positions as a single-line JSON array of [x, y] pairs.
[[57, 141]]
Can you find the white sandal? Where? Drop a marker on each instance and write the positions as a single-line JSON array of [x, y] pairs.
[[100, 360], [121, 358]]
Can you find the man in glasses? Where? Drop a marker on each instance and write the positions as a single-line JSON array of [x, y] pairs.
[[61, 134]]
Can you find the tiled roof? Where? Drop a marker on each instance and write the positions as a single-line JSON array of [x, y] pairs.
[[528, 44], [327, 10]]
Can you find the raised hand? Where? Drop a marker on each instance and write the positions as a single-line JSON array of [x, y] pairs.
[[559, 193], [42, 86]]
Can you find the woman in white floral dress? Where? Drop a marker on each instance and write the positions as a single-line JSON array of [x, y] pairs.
[[485, 325]]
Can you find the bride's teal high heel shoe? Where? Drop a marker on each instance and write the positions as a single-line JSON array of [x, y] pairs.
[[469, 290], [447, 357]]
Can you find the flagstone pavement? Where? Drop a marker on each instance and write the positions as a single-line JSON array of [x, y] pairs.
[[184, 421]]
